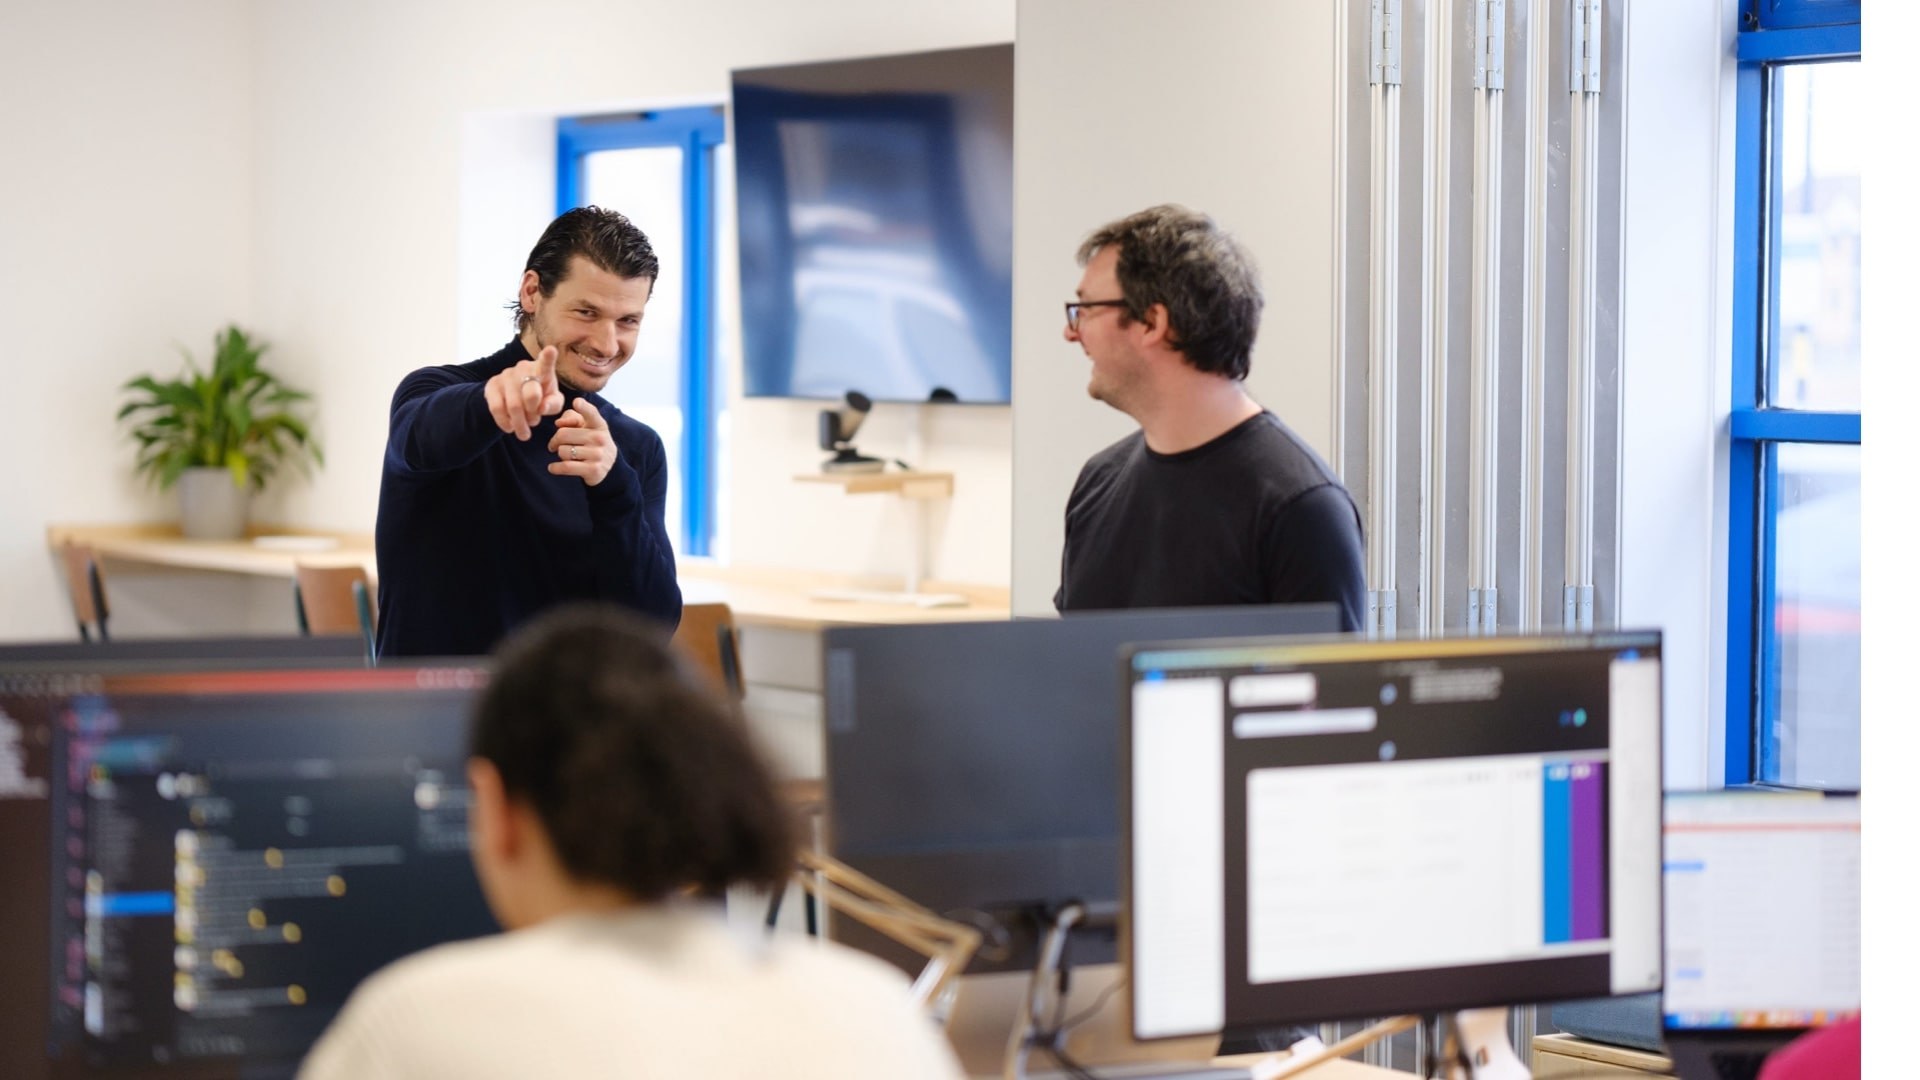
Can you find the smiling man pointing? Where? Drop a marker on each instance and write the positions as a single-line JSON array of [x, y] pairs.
[[509, 485]]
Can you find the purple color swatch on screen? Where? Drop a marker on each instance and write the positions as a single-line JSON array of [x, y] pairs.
[[1589, 852]]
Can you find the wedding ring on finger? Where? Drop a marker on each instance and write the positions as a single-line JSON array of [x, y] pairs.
[[525, 379], [576, 453]]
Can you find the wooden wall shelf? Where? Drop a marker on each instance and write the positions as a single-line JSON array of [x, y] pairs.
[[908, 485]]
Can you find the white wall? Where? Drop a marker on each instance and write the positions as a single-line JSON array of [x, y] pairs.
[[125, 222], [366, 113], [1227, 108], [1676, 363]]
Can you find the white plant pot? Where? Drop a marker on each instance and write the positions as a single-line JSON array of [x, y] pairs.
[[211, 507]]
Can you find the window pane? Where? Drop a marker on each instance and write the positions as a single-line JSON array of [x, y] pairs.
[[1819, 125], [644, 184], [1814, 672]]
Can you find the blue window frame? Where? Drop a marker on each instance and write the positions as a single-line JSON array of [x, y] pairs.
[[1775, 35], [1789, 14], [696, 132]]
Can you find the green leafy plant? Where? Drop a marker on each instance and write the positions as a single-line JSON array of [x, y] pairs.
[[236, 417]]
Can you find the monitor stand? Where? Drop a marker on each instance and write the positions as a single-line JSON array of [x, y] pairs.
[[1477, 1047], [1480, 1050], [1033, 1030]]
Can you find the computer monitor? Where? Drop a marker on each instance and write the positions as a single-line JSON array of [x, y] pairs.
[[1332, 830], [232, 852], [1762, 922], [25, 763], [971, 766]]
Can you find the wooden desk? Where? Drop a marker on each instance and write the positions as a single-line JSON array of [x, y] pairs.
[[163, 546], [1337, 1069], [759, 596], [767, 597], [1568, 1057]]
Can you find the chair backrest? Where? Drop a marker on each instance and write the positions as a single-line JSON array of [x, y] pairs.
[[333, 600], [85, 589], [706, 635]]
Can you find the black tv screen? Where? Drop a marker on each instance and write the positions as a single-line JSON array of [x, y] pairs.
[[876, 227]]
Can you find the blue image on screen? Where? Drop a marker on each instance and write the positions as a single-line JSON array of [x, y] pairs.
[[876, 230]]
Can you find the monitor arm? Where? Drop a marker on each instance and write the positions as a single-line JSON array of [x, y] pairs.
[[948, 945]]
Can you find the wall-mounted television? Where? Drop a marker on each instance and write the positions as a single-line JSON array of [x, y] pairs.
[[876, 227]]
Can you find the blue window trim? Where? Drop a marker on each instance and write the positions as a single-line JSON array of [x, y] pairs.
[[1805, 43], [1786, 32], [1786, 14], [1766, 748], [1743, 525], [1787, 425], [696, 131]]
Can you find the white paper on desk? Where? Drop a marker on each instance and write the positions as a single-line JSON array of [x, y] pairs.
[[296, 543]]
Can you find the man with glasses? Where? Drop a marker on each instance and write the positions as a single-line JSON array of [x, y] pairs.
[[1213, 501]]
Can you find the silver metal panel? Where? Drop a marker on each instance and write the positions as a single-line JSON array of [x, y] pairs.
[[1483, 612], [1383, 42], [1408, 321], [1456, 400], [1483, 528], [1405, 304], [1576, 608], [1383, 350], [1608, 290], [1490, 44], [1343, 70], [1523, 1024], [1435, 290], [1533, 34], [1383, 614], [1354, 186], [1583, 201], [1583, 47], [1538, 389]]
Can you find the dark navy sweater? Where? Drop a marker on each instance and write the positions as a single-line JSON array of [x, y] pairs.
[[474, 535]]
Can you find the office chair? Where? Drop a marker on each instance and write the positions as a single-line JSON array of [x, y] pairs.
[[333, 600], [706, 636], [84, 587]]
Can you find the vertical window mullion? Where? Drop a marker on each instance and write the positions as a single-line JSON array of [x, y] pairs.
[[696, 352], [1744, 521], [1770, 214], [1744, 528], [1766, 724]]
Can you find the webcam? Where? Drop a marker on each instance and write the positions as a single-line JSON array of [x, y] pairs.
[[837, 428]]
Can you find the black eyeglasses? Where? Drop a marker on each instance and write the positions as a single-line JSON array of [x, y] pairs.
[[1074, 307]]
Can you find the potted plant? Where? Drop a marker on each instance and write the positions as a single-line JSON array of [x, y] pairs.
[[221, 435]]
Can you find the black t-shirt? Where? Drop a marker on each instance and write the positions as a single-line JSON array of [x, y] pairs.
[[1253, 517]]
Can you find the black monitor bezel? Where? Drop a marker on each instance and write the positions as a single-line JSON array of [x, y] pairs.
[[1604, 640], [69, 668]]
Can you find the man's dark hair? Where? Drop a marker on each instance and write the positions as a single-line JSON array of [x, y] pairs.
[[605, 237], [642, 775], [1178, 257]]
